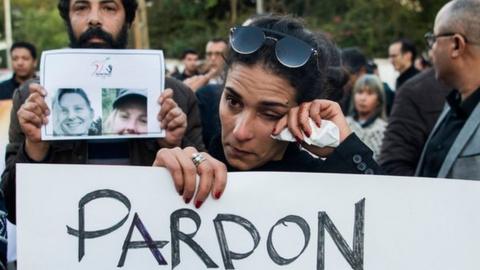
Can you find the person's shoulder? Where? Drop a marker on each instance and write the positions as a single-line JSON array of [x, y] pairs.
[[175, 84], [5, 82], [209, 90], [380, 122], [182, 94], [417, 81]]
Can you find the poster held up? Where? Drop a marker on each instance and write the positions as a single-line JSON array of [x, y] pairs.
[[102, 94], [98, 217]]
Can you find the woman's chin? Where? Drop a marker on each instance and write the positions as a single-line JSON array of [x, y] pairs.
[[240, 164]]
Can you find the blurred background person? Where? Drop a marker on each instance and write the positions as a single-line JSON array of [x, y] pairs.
[[354, 63], [422, 62], [215, 61], [129, 114], [190, 63], [24, 63], [73, 113], [213, 69], [368, 118], [402, 54], [372, 68]]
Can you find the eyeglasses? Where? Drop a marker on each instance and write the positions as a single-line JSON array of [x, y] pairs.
[[430, 38], [210, 54], [290, 51]]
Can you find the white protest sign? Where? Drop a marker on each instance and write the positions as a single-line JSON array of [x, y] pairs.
[[102, 94], [114, 217]]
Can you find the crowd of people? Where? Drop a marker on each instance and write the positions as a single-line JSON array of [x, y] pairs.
[[271, 74]]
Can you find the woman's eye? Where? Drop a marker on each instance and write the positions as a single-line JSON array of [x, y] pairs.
[[272, 116], [143, 120], [232, 102]]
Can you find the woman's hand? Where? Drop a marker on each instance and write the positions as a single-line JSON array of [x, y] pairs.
[[31, 116], [213, 173], [297, 122], [172, 119]]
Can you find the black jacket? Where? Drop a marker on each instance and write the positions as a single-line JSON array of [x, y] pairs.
[[8, 87], [417, 105], [351, 156]]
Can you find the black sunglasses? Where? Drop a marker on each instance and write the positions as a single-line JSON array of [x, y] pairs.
[[290, 51], [430, 38]]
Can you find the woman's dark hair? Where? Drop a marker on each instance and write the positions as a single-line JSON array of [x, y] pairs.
[[130, 7], [321, 77]]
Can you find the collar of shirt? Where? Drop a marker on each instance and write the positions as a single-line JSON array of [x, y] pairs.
[[465, 108], [367, 122]]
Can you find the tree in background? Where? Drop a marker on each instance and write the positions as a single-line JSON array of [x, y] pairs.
[[37, 22], [175, 25]]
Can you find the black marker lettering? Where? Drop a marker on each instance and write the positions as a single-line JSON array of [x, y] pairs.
[[227, 254], [306, 233], [178, 236]]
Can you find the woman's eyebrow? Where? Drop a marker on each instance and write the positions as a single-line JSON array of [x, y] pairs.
[[265, 103], [232, 92]]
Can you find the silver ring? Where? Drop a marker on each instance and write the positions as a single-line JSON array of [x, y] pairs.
[[198, 158]]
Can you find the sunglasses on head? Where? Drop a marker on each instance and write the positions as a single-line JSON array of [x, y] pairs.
[[290, 51]]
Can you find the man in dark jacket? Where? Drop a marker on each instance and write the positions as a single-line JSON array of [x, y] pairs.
[[402, 55], [417, 105], [95, 24], [24, 62]]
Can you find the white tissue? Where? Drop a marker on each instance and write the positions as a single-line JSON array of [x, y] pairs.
[[327, 134]]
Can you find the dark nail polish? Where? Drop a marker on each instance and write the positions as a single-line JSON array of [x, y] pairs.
[[318, 125], [198, 204], [308, 133], [273, 131], [187, 200], [218, 194], [180, 192], [298, 140]]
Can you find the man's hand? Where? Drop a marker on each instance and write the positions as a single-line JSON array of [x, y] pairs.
[[31, 116], [198, 81], [172, 119]]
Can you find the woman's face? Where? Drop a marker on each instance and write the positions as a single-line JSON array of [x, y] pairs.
[[366, 101], [74, 115], [252, 102], [131, 118]]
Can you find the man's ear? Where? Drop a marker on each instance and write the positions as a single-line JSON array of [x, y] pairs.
[[459, 45], [409, 55]]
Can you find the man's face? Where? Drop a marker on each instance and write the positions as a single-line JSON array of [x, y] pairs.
[[400, 61], [440, 52], [97, 24], [214, 53], [190, 61], [23, 63]]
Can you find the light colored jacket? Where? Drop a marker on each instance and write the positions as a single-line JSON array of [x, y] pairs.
[[372, 135], [463, 158]]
